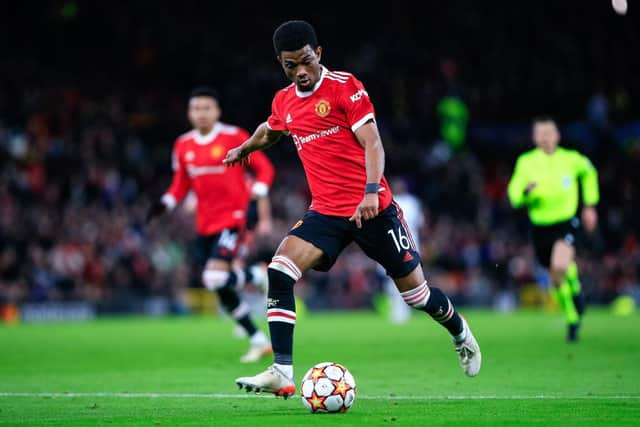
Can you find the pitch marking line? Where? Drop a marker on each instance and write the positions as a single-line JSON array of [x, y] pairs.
[[364, 397]]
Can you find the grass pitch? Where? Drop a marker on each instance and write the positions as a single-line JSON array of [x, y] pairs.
[[180, 371]]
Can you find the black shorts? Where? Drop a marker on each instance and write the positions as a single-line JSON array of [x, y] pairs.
[[386, 239], [223, 245], [544, 237]]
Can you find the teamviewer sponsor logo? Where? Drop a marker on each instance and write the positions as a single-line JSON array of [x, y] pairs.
[[301, 140], [194, 171], [356, 96]]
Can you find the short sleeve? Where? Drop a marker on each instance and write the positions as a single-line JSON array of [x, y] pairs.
[[356, 103], [276, 121]]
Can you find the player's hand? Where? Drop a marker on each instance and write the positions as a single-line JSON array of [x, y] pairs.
[[156, 209], [530, 187], [235, 156], [589, 218], [367, 209]]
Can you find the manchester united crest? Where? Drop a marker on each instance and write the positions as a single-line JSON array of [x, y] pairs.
[[217, 151], [323, 108]]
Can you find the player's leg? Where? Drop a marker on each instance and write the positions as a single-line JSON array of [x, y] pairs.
[[293, 257], [314, 242], [387, 240], [218, 276], [573, 279], [562, 256], [430, 299], [255, 274], [554, 251]]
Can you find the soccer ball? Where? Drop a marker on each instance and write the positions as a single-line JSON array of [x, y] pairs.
[[328, 387]]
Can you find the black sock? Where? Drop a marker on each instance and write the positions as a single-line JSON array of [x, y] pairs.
[[281, 314], [248, 276], [239, 311], [248, 325], [442, 311], [579, 302]]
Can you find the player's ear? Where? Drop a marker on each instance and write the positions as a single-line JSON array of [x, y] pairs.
[[319, 52]]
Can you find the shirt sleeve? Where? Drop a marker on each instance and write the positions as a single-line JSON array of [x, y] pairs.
[[180, 184], [264, 173], [356, 103], [261, 167], [588, 176], [276, 121]]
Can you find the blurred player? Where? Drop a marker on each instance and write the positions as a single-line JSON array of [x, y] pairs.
[[332, 123], [223, 198], [545, 181], [414, 218]]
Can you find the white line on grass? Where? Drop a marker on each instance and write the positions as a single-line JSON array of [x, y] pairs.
[[363, 397]]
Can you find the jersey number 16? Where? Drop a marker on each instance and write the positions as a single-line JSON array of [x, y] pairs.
[[401, 241]]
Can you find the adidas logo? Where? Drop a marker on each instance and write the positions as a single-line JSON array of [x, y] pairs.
[[272, 302], [289, 119], [407, 257]]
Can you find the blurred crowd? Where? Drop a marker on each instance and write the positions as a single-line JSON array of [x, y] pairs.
[[89, 113]]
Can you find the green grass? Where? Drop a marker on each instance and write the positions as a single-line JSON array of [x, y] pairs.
[[596, 382]]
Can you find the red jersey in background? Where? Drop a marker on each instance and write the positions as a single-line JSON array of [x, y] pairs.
[[221, 191]]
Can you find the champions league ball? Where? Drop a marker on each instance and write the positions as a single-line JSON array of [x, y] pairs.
[[328, 387]]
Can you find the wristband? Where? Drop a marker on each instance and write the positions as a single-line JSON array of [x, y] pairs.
[[371, 188]]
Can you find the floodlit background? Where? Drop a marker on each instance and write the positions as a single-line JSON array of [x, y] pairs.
[[93, 94]]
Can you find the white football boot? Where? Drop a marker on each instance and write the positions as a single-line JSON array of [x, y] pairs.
[[256, 352], [259, 347], [469, 352], [271, 381]]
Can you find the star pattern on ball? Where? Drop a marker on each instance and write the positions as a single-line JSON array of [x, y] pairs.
[[341, 388], [317, 402], [316, 373]]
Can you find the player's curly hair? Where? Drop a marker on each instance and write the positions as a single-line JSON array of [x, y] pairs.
[[294, 35], [204, 91]]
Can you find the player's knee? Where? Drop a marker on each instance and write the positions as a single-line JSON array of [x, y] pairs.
[[283, 273], [284, 265], [214, 279], [418, 296], [558, 274]]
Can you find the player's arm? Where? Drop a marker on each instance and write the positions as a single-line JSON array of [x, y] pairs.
[[263, 137], [176, 192], [588, 176], [369, 137], [267, 134], [264, 174], [519, 187]]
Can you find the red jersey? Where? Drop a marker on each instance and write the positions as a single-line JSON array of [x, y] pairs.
[[222, 193], [322, 123]]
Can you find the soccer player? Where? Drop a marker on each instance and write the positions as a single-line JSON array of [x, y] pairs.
[[545, 181], [332, 123], [222, 202]]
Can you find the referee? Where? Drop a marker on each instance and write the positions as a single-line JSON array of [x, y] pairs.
[[545, 181]]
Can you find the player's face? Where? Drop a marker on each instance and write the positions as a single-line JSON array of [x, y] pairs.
[[204, 112], [302, 66], [546, 136]]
